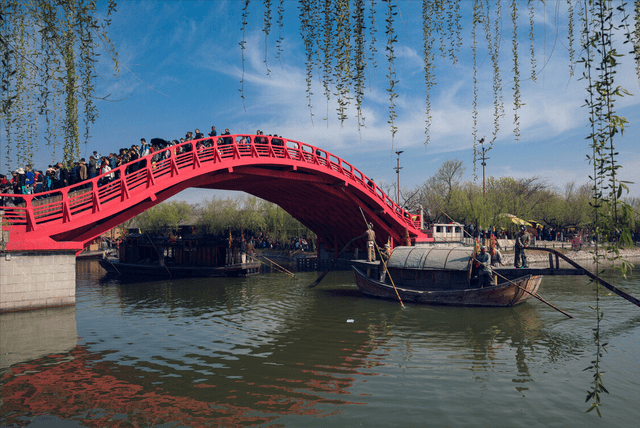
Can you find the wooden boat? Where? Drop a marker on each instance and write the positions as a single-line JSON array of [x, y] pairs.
[[443, 275], [177, 271]]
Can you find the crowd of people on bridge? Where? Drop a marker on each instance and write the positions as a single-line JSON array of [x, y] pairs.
[[29, 180]]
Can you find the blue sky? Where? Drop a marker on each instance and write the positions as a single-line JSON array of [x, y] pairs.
[[181, 70]]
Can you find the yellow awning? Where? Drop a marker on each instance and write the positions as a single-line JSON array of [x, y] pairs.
[[516, 220]]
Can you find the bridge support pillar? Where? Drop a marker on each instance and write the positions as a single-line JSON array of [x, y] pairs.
[[37, 279]]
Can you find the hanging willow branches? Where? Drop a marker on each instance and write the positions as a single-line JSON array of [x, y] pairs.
[[48, 73], [600, 62], [243, 43], [359, 59], [391, 58], [474, 114], [337, 38], [636, 38], [517, 100], [428, 31], [49, 51]]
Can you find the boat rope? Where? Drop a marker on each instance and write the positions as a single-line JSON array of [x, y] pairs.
[[157, 252]]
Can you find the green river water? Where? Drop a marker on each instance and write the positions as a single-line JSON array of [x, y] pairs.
[[268, 351]]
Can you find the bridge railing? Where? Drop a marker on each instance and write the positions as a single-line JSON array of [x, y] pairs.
[[95, 194]]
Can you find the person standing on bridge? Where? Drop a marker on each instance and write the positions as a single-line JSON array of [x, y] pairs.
[[144, 148], [227, 140], [522, 241], [371, 243], [261, 139], [63, 176]]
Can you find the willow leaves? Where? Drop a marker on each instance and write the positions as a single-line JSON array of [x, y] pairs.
[[48, 74]]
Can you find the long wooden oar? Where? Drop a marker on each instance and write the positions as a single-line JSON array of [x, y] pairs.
[[389, 273], [536, 295], [260, 261], [333, 264], [283, 269], [382, 261], [114, 266], [595, 277]]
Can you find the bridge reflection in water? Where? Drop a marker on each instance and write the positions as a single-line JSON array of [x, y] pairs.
[[234, 352], [30, 335], [268, 351]]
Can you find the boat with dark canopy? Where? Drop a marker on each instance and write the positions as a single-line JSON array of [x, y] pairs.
[[442, 274]]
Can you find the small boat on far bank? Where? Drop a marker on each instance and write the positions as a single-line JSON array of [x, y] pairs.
[[115, 266], [188, 256], [442, 275]]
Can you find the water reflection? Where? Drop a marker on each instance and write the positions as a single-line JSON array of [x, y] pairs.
[[30, 335], [262, 350]]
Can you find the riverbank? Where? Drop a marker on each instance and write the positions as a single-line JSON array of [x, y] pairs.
[[583, 256]]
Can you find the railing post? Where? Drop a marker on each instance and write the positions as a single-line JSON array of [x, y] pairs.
[[31, 220], [124, 189], [96, 198], [150, 180], [196, 158], [174, 166]]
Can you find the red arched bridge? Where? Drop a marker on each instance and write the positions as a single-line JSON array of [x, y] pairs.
[[322, 191]]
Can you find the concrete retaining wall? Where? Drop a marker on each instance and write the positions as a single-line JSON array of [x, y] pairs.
[[29, 335], [31, 280]]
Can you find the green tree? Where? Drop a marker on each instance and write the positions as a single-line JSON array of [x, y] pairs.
[[164, 218], [282, 225], [569, 210], [216, 216], [466, 204], [251, 214], [520, 197], [49, 51]]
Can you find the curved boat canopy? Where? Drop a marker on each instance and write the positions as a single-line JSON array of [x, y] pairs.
[[432, 257]]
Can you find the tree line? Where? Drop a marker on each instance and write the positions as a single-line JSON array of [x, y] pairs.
[[445, 196], [248, 215]]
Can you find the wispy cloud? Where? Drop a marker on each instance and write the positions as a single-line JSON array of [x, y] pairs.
[[179, 49]]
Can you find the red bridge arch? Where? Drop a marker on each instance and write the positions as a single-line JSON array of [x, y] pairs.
[[322, 191]]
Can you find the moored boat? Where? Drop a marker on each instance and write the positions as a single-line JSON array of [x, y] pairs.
[[444, 275], [176, 271]]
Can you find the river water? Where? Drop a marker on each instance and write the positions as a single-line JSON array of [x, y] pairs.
[[268, 351]]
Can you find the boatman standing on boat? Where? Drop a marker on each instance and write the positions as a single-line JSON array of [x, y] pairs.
[[371, 243], [522, 240], [484, 272]]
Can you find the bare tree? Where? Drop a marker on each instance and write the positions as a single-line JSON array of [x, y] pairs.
[[435, 194]]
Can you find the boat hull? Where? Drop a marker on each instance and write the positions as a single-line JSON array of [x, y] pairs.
[[503, 295], [156, 271]]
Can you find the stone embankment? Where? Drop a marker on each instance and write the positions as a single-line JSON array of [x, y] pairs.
[[583, 256]]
